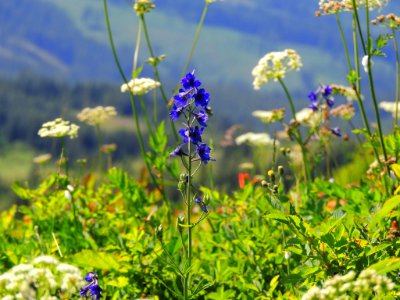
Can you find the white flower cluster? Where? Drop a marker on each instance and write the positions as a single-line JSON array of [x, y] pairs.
[[41, 278], [269, 116], [274, 66], [347, 287], [140, 86], [389, 107], [255, 139], [58, 128], [308, 117], [97, 115]]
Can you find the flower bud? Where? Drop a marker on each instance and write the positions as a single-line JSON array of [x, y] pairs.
[[159, 232], [271, 175], [264, 183], [281, 170]]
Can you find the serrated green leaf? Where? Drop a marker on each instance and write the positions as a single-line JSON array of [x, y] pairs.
[[96, 260], [387, 265], [384, 212]]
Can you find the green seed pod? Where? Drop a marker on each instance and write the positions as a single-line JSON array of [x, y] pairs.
[[281, 171]]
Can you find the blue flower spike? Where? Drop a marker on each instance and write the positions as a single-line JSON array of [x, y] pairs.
[[92, 289]]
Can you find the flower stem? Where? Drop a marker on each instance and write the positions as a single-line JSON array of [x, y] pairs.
[[132, 99], [396, 48], [196, 38], [156, 73], [346, 49], [188, 223], [307, 173]]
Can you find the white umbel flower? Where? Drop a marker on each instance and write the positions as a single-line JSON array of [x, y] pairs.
[[140, 86], [274, 66]]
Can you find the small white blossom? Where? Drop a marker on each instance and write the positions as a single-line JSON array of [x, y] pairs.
[[274, 66], [140, 86], [364, 62], [45, 259], [269, 116], [255, 139], [97, 115], [389, 107], [58, 128], [68, 195]]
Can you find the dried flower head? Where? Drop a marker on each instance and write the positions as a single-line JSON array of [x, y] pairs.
[[345, 91], [333, 6], [269, 116], [274, 66], [140, 86], [390, 20], [97, 115], [344, 111], [58, 128]]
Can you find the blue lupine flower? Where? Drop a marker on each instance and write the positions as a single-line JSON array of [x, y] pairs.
[[92, 289], [204, 153], [314, 106], [182, 97], [330, 101], [202, 204], [194, 134], [336, 131], [178, 151], [190, 82], [313, 97], [327, 90], [201, 98], [176, 112], [202, 118]]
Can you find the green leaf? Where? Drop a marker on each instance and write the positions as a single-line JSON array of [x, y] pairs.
[[387, 265], [378, 248], [119, 282], [384, 212], [273, 284], [136, 73], [96, 260]]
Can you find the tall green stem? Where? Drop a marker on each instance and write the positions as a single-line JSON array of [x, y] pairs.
[[371, 83], [156, 73], [307, 172], [346, 49], [132, 98], [396, 48], [196, 38], [188, 218]]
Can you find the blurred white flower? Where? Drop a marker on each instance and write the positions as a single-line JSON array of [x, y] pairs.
[[97, 115], [389, 107], [364, 62], [140, 86], [58, 128], [255, 139], [270, 116], [274, 66], [46, 260]]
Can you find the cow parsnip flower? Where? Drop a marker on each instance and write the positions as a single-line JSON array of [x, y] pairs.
[[97, 115], [274, 66], [140, 86], [389, 107], [58, 128], [255, 139], [270, 116]]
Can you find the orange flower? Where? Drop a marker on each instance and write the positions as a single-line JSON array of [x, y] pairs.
[[242, 179]]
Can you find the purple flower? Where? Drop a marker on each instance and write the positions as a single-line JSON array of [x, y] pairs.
[[175, 112], [336, 131], [190, 82], [327, 91], [313, 97], [202, 204], [202, 118], [92, 289], [181, 98], [204, 153], [201, 98], [178, 151], [330, 101], [192, 133]]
